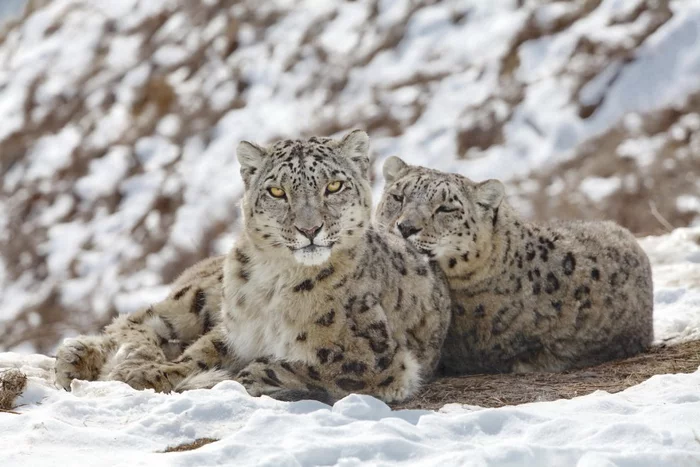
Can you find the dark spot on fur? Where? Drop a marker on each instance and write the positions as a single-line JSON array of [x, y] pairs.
[[479, 311], [241, 257], [595, 274], [355, 367], [453, 262], [287, 367], [350, 385], [581, 291], [273, 376], [325, 273], [323, 355], [220, 346], [269, 381], [301, 337], [202, 365], [207, 323], [552, 283], [262, 360], [172, 334], [304, 286], [399, 299], [569, 263], [422, 271], [614, 279], [386, 382], [557, 306], [198, 302], [383, 363], [530, 251], [243, 275], [341, 283], [536, 288], [458, 309], [181, 292], [327, 319], [314, 374]]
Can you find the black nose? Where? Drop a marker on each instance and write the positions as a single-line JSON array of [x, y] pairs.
[[407, 229], [309, 233]]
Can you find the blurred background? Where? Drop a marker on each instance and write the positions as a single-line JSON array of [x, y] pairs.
[[119, 121]]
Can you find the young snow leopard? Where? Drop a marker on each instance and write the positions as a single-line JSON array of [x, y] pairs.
[[311, 302], [526, 297]]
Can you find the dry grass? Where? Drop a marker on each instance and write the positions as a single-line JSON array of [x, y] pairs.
[[508, 389], [12, 383], [196, 444]]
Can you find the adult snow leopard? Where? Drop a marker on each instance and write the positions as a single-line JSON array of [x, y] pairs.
[[526, 296], [311, 301]]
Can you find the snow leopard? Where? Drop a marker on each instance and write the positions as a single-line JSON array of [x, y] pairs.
[[311, 302], [526, 296]]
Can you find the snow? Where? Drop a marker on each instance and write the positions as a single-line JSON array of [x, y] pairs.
[[676, 268], [108, 423], [598, 188]]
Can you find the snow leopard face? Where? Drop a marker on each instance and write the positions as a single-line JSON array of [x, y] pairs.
[[306, 199], [444, 215]]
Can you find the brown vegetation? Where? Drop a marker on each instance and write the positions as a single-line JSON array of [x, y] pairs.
[[12, 383], [509, 389]]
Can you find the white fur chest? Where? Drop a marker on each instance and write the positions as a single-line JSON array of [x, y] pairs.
[[260, 318]]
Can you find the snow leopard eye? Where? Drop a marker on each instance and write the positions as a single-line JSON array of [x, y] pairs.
[[277, 192], [445, 209], [334, 187], [398, 198]]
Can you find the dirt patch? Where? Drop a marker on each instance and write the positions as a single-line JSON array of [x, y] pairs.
[[196, 444], [12, 383], [500, 390]]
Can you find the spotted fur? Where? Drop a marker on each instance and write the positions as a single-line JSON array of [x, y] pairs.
[[526, 296], [313, 301]]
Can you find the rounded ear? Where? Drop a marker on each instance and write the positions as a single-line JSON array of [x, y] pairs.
[[355, 145], [490, 193], [392, 167], [250, 157]]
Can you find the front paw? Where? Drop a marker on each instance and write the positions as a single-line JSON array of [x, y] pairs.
[[79, 358], [143, 374]]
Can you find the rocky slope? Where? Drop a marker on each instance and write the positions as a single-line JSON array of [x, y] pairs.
[[120, 119]]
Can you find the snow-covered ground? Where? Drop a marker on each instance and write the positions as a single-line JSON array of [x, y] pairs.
[[107, 423], [655, 423]]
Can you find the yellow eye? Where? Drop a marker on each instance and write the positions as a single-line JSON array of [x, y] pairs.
[[276, 192], [334, 187]]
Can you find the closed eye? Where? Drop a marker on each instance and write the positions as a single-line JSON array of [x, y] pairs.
[[398, 198], [445, 209]]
